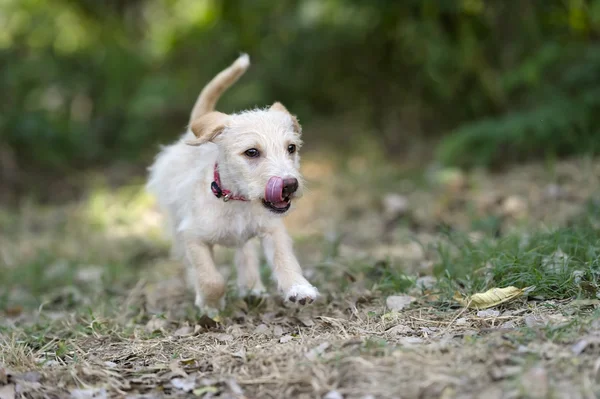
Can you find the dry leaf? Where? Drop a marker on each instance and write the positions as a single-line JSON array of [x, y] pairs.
[[490, 298]]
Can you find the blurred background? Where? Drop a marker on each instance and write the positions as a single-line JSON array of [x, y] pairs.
[[91, 85]]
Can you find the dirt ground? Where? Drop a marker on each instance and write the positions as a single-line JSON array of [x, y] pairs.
[[360, 239]]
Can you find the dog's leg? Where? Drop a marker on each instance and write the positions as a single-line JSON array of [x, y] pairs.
[[248, 270], [286, 270], [207, 281]]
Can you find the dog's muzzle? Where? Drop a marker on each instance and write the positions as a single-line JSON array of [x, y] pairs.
[[278, 193]]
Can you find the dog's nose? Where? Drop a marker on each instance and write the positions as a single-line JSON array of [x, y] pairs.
[[290, 185]]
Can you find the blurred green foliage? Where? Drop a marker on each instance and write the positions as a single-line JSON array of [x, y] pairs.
[[90, 82]]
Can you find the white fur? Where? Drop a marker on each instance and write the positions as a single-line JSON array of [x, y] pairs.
[[180, 179]]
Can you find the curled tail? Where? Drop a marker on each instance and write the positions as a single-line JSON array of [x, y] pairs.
[[216, 87]]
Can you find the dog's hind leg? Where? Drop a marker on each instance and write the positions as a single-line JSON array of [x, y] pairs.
[[208, 283], [248, 270]]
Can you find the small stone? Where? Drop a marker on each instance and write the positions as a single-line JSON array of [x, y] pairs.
[[488, 313], [426, 282], [183, 331], [533, 321], [262, 329], [398, 302], [91, 393], [315, 352], [184, 384], [554, 192], [394, 206], [333, 395], [156, 324], [514, 206], [408, 341], [285, 339], [277, 331], [535, 382]]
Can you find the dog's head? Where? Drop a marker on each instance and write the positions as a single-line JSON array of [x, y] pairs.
[[258, 153]]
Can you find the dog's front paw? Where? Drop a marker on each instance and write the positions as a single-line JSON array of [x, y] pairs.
[[302, 294], [209, 309]]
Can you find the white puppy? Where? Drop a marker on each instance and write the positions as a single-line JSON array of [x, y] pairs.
[[228, 179]]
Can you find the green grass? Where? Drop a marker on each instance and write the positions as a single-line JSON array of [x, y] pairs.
[[561, 263]]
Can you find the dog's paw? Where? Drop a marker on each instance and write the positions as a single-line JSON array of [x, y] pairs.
[[211, 310], [302, 294]]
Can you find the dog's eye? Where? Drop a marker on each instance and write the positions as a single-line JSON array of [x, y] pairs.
[[292, 148], [252, 153]]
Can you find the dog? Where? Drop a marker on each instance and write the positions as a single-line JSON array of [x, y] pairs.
[[228, 179]]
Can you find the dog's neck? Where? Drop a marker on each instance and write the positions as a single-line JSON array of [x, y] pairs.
[[217, 188]]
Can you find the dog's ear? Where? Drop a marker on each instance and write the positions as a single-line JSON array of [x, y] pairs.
[[278, 107], [207, 127]]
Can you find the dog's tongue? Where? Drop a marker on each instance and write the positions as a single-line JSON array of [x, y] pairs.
[[274, 191]]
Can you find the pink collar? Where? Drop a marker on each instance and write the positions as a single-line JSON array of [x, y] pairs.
[[215, 186]]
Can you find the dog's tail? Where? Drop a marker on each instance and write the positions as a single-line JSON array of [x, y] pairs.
[[216, 87]]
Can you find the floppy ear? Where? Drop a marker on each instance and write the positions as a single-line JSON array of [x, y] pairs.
[[278, 107], [207, 127]]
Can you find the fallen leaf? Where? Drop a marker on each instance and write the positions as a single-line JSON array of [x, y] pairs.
[[490, 298], [398, 302], [316, 351]]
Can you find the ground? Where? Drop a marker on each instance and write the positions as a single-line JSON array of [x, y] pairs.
[[92, 306]]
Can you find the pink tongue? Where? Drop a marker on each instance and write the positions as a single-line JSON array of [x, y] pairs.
[[274, 190]]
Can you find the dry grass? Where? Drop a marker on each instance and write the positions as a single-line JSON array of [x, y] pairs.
[[93, 307]]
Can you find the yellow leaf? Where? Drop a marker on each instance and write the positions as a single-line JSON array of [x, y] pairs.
[[492, 297]]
